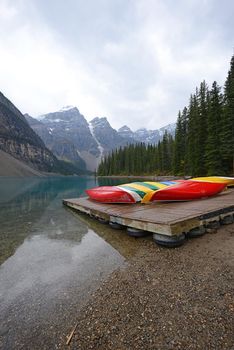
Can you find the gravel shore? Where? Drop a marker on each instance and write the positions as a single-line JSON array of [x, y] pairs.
[[165, 299]]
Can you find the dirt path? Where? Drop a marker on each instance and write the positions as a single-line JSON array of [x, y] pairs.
[[165, 299]]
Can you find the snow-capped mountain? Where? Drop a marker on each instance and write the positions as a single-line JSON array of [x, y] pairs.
[[146, 136], [63, 133], [170, 129], [71, 137], [126, 132], [108, 137]]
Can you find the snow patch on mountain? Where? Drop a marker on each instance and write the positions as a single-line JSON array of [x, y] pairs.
[[100, 148]]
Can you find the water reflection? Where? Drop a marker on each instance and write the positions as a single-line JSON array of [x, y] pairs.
[[127, 246], [34, 206], [45, 283], [23, 203], [51, 261], [41, 262]]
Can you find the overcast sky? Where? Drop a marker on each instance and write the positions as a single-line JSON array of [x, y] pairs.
[[134, 61]]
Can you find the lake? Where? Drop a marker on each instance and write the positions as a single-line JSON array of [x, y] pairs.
[[52, 259]]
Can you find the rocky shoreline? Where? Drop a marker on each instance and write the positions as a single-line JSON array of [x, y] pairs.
[[165, 299]]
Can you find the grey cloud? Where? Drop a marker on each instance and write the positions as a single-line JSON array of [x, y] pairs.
[[134, 61]]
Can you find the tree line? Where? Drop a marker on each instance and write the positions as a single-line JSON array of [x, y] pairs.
[[203, 143]]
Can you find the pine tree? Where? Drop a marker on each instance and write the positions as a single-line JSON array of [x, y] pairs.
[[178, 149], [227, 131], [202, 129], [213, 153], [191, 156], [180, 143]]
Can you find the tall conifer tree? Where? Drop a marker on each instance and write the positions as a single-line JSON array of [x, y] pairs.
[[213, 154], [227, 132], [180, 143], [192, 157], [202, 125]]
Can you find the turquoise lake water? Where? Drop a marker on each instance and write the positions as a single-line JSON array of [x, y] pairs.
[[51, 258]]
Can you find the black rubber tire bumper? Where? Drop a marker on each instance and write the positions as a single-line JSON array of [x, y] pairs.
[[169, 241]]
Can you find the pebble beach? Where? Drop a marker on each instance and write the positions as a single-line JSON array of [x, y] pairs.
[[179, 298]]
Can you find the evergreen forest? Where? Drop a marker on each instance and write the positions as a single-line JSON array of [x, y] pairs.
[[203, 144]]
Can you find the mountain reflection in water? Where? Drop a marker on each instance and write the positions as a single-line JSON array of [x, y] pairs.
[[51, 259], [34, 205]]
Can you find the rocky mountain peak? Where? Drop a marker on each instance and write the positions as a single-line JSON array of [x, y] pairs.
[[20, 141], [141, 130], [170, 129], [100, 122], [67, 114], [124, 128], [126, 132], [107, 137], [66, 108], [10, 107]]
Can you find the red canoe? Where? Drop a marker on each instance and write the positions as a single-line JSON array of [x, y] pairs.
[[112, 194], [187, 191]]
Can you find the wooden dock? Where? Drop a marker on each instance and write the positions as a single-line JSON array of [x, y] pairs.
[[168, 219]]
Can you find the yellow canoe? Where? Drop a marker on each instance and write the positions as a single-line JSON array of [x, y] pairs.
[[220, 179]]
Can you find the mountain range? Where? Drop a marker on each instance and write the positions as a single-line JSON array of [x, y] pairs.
[[60, 142], [71, 137]]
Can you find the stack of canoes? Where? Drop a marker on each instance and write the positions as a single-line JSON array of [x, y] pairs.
[[144, 192]]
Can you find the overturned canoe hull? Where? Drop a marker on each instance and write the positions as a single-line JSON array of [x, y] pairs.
[[111, 194], [221, 179], [127, 193], [188, 190]]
